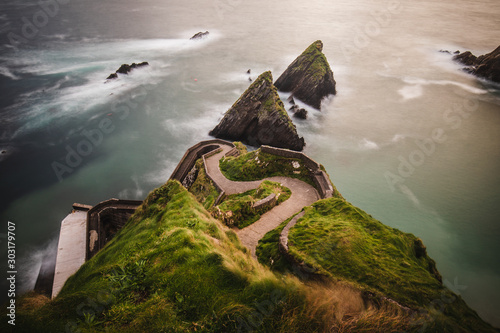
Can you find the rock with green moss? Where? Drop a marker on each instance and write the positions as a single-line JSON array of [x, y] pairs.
[[309, 77], [258, 117]]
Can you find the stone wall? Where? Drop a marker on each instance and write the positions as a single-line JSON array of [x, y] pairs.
[[193, 153], [319, 177], [269, 201], [104, 220]]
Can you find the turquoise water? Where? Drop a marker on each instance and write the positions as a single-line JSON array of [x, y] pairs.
[[396, 95]]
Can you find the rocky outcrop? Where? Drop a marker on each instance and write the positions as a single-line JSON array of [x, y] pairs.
[[486, 66], [466, 58], [309, 77], [258, 117], [298, 112], [200, 35], [125, 69]]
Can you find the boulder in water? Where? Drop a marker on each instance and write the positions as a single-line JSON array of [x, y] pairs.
[[200, 35]]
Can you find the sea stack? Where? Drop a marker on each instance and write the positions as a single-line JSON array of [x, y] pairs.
[[258, 117], [486, 66], [309, 77]]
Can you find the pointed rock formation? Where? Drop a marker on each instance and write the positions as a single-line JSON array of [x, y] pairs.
[[486, 66], [258, 117], [309, 77]]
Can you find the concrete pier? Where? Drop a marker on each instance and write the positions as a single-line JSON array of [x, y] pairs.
[[71, 249]]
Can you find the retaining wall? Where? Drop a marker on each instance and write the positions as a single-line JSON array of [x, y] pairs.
[[269, 201], [319, 177], [193, 153], [104, 220]]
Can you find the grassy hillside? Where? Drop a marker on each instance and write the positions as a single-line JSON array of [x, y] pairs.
[[173, 268], [341, 242]]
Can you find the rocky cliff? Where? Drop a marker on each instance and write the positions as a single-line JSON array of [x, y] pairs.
[[258, 118], [309, 77], [486, 66]]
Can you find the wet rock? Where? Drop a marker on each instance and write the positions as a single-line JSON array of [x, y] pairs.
[[301, 114], [125, 69], [112, 76], [486, 66], [466, 58], [200, 35]]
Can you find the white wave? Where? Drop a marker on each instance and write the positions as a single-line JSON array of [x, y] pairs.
[[411, 92], [367, 144], [7, 73], [97, 55], [398, 138], [42, 106], [423, 82]]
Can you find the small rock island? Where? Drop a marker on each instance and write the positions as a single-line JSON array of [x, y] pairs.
[[309, 77], [125, 69], [258, 117]]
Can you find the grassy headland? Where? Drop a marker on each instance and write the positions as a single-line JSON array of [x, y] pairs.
[[343, 243], [173, 268]]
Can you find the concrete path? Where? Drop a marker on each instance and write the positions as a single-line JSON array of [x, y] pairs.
[[71, 248], [303, 195]]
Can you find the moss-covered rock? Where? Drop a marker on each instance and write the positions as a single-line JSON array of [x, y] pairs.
[[258, 117], [309, 77]]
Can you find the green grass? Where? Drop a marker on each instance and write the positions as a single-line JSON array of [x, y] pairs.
[[203, 187], [344, 243], [236, 210], [342, 240], [172, 268], [257, 165], [273, 101], [242, 149], [316, 62]]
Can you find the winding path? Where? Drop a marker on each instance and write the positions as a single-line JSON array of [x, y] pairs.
[[303, 195]]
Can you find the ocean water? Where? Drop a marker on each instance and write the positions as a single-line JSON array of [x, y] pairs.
[[409, 138]]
